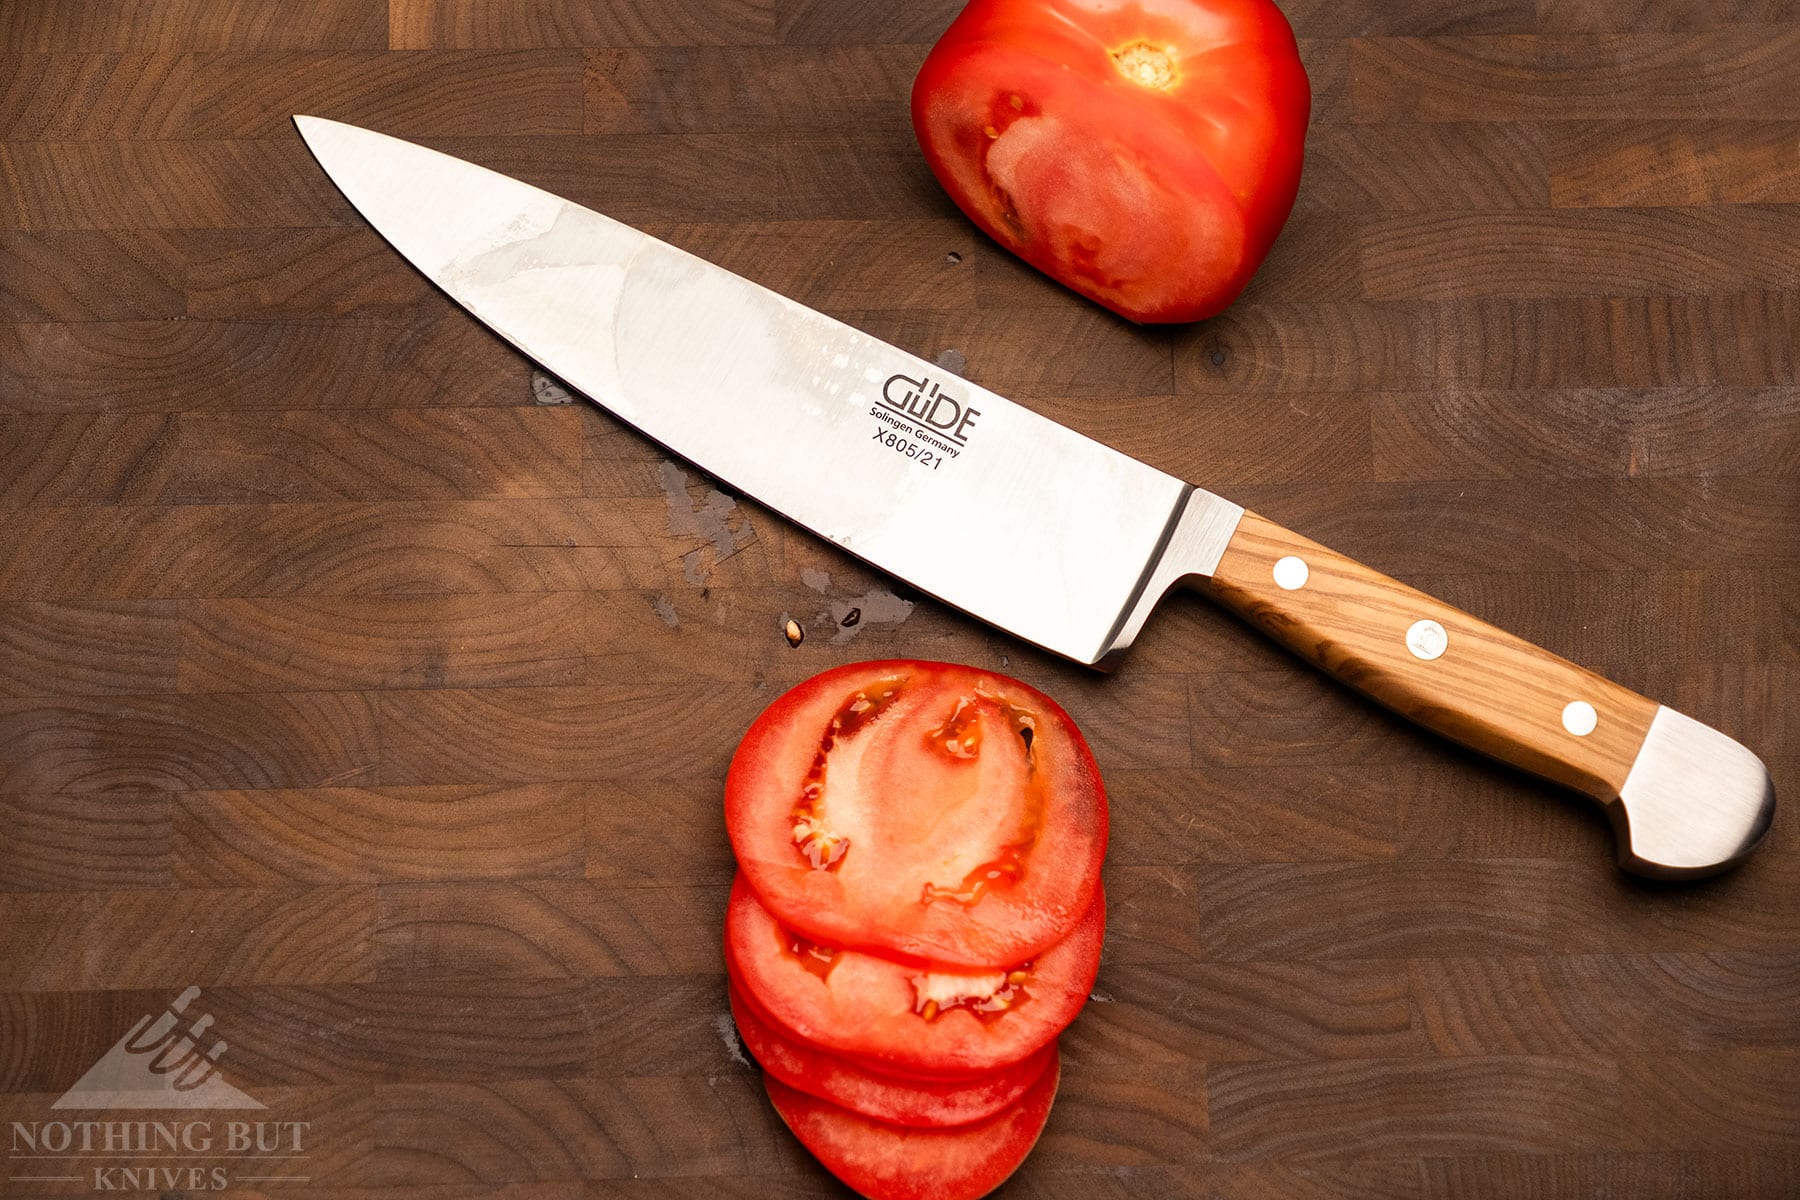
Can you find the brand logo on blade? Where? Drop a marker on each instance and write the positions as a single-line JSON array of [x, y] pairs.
[[924, 401], [938, 422]]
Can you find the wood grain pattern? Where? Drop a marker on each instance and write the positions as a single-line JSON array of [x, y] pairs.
[[102, 842], [98, 744], [64, 97], [88, 276], [861, 22], [156, 184], [1658, 340], [1426, 1108], [146, 551], [1740, 72], [1665, 16], [1756, 1175], [326, 835], [465, 24], [1668, 251], [350, 675], [192, 25], [1643, 163], [130, 647], [1411, 18], [1128, 1115], [1244, 1012], [1490, 690], [1678, 432], [1619, 1004], [714, 89], [575, 929], [409, 95], [387, 642], [1329, 911], [1434, 168], [255, 366], [62, 943]]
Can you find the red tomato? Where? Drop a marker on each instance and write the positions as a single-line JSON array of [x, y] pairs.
[[908, 1019], [925, 810], [889, 1098], [891, 1162], [1143, 152]]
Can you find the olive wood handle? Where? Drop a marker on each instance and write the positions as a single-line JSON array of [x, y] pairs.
[[1684, 798]]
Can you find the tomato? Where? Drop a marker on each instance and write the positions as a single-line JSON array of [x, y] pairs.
[[1143, 152], [892, 1162], [889, 1098], [909, 1019], [928, 811]]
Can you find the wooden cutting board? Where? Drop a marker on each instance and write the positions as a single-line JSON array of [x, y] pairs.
[[352, 676]]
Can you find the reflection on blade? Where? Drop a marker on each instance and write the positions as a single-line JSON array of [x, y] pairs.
[[956, 490]]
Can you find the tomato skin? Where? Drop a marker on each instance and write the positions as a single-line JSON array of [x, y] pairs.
[[896, 1100], [1156, 199], [919, 819], [865, 1007], [891, 1162]]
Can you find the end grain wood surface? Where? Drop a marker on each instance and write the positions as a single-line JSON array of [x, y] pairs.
[[344, 678]]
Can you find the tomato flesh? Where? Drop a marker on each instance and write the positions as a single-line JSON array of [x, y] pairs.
[[1143, 152], [893, 1162], [906, 1018], [928, 811], [889, 1098]]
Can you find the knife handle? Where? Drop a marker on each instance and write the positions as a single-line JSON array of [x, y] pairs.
[[1684, 799]]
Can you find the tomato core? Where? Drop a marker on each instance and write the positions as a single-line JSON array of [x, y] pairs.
[[987, 996], [811, 955], [1146, 65], [816, 841]]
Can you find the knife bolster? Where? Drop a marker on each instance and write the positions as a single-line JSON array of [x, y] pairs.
[[1192, 541], [1682, 803]]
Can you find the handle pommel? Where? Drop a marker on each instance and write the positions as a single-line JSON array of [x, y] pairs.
[[1694, 803]]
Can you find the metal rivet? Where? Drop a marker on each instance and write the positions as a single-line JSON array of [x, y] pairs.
[[1290, 573], [1427, 640], [1579, 718]]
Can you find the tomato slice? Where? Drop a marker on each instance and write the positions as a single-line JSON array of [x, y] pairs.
[[904, 1018], [930, 811], [897, 1101], [892, 1162]]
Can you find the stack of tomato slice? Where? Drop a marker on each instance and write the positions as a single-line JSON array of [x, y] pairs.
[[917, 915]]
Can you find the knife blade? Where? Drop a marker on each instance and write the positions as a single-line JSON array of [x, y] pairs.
[[884, 455]]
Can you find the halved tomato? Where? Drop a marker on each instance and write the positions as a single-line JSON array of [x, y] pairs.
[[931, 811], [887, 1098], [1143, 152], [927, 1021], [892, 1162]]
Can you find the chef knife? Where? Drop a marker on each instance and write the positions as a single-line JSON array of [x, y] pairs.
[[884, 455]]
